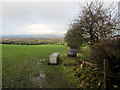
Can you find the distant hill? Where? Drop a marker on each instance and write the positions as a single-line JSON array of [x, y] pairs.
[[34, 36]]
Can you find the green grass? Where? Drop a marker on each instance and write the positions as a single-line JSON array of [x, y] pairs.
[[0, 66], [19, 62], [15, 51], [69, 70]]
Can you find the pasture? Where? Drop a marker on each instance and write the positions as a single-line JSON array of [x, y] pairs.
[[26, 66]]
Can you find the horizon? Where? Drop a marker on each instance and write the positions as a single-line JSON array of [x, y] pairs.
[[45, 36]]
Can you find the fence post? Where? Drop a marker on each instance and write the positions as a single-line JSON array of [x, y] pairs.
[[106, 72]]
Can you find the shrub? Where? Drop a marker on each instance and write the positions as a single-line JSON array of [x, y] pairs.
[[108, 49], [90, 77], [85, 52]]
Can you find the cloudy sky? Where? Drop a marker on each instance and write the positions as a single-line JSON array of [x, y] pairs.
[[25, 18]]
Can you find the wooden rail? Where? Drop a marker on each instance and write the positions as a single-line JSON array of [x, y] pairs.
[[86, 63]]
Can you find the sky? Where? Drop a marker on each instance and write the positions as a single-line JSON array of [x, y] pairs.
[[26, 18]]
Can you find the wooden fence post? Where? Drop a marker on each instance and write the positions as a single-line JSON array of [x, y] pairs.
[[106, 71]]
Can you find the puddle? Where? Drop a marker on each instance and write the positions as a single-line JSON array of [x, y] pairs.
[[42, 59], [38, 79]]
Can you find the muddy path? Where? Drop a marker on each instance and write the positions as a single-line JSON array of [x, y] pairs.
[[49, 76]]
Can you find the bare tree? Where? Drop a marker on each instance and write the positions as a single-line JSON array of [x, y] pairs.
[[95, 23]]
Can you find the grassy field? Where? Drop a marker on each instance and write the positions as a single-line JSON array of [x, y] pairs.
[[0, 66], [24, 64]]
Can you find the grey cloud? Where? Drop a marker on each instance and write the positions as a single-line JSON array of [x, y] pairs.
[[24, 13]]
